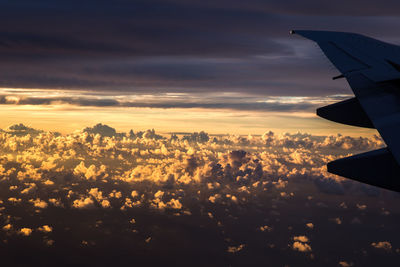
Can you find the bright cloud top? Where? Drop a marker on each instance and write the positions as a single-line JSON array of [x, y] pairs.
[[99, 167], [74, 191]]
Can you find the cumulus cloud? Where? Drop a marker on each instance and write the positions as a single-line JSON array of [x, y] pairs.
[[25, 231], [45, 229], [336, 220], [20, 129], [98, 167], [301, 238], [384, 245], [265, 228], [310, 225], [90, 173], [361, 206], [345, 264], [7, 227], [301, 244], [31, 187], [83, 203], [215, 180], [14, 200], [38, 203], [235, 249], [302, 247], [101, 129]]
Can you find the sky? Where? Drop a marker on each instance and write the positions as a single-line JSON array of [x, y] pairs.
[[177, 57], [183, 133]]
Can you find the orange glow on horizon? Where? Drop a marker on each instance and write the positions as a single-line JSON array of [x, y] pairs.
[[68, 118]]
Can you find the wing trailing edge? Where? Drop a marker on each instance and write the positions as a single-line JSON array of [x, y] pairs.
[[377, 168], [347, 112]]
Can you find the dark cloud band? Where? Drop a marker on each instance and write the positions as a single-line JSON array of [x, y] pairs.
[[251, 106], [123, 45]]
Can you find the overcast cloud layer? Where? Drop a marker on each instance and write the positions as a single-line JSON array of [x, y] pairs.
[[179, 46]]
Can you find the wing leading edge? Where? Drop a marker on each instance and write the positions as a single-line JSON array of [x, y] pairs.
[[372, 69]]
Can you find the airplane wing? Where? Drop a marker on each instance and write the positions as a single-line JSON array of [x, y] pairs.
[[372, 69]]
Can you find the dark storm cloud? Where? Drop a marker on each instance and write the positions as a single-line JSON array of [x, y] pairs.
[[162, 45]]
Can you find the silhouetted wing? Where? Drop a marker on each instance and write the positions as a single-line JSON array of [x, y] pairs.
[[349, 52], [372, 70], [377, 168]]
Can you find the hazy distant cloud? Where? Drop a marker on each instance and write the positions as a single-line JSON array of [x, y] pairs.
[[235, 101], [304, 107]]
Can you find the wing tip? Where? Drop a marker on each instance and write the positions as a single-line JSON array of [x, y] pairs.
[[323, 36]]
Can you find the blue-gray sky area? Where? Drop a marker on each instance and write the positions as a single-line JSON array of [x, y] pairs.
[[180, 46]]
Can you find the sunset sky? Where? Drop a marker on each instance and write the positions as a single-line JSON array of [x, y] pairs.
[[183, 133], [225, 66]]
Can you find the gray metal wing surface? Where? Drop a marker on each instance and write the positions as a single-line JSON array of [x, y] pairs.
[[372, 69]]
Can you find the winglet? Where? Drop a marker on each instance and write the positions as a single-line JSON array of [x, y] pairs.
[[351, 52], [336, 47], [326, 36]]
